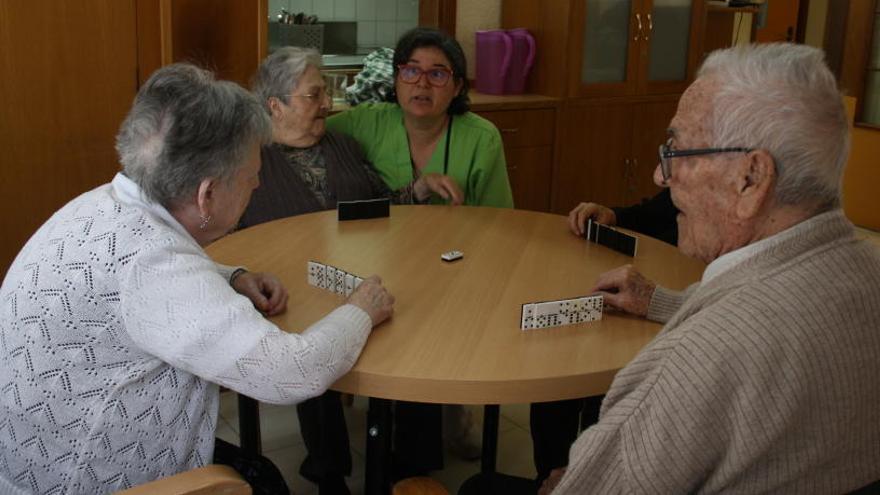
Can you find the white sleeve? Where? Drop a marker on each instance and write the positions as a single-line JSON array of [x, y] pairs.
[[177, 306]]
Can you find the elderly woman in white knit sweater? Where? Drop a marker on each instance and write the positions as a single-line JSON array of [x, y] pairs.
[[117, 328]]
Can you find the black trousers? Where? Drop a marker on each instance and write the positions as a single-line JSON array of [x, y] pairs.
[[259, 472], [555, 426], [418, 438]]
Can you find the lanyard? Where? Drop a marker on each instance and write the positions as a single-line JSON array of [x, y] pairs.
[[446, 152]]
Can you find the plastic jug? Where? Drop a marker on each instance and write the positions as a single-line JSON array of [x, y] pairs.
[[494, 49], [521, 61]]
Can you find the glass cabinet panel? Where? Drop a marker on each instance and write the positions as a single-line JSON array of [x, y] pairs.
[[669, 29], [606, 36]]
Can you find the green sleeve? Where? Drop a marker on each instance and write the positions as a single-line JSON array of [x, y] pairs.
[[489, 185], [342, 122]]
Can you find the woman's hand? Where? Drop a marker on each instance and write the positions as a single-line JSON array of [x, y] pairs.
[[264, 290], [441, 185], [374, 299], [577, 217], [626, 289]]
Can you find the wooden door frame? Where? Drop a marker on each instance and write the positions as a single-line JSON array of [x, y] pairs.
[[439, 14], [848, 49], [155, 27]]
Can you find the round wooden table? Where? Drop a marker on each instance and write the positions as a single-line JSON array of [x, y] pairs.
[[455, 335]]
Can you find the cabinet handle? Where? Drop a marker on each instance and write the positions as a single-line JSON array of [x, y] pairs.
[[639, 20], [650, 25], [626, 169], [510, 130]]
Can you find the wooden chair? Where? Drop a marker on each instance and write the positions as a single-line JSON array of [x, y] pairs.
[[419, 486], [211, 479]]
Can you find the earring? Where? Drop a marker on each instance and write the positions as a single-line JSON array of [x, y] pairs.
[[204, 223]]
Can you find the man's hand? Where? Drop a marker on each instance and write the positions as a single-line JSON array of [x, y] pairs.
[[374, 299], [626, 289], [577, 218], [264, 290], [551, 481], [442, 185]]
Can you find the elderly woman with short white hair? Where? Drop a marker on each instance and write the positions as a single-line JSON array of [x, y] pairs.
[[117, 328]]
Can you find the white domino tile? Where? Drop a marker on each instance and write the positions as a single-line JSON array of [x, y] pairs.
[[557, 313], [340, 281], [332, 279], [349, 284]]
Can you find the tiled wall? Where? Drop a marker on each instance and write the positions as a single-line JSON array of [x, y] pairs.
[[380, 22]]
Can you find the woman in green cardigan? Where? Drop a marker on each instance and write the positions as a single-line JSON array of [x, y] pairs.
[[426, 126]]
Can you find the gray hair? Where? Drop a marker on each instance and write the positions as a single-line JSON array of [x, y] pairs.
[[279, 73], [184, 127], [782, 98]]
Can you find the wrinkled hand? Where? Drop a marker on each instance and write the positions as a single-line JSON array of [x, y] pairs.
[[577, 218], [374, 299], [626, 289], [442, 185], [264, 290], [551, 481]]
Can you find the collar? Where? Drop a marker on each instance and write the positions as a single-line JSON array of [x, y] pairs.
[[730, 260], [127, 192]]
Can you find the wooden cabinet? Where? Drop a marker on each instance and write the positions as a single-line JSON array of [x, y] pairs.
[[612, 152], [528, 128], [622, 68], [630, 47]]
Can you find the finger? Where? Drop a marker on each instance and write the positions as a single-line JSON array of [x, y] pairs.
[[279, 306], [572, 222], [455, 191], [611, 280]]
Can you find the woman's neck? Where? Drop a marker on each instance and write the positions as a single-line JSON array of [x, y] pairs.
[[424, 131]]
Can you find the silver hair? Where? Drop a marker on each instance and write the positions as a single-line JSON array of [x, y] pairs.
[[279, 73], [184, 127], [782, 98]]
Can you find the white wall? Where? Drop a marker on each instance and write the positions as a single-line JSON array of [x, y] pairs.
[[472, 16], [379, 22]]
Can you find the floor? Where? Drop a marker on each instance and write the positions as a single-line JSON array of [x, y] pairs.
[[283, 444]]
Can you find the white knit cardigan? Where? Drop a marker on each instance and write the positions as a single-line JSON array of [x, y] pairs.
[[115, 331]]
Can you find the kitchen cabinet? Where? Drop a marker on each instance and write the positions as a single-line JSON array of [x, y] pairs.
[[527, 124]]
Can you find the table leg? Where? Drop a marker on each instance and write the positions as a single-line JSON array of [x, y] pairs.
[[490, 438], [378, 455], [249, 425]]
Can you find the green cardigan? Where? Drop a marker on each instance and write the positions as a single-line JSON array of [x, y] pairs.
[[476, 155]]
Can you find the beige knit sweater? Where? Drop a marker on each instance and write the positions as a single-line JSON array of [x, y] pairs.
[[765, 380]]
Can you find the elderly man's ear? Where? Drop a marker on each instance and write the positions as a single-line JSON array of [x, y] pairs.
[[756, 180]]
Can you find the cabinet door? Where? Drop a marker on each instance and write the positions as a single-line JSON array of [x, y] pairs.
[[649, 132], [604, 48], [670, 45], [529, 171], [596, 150], [528, 137]]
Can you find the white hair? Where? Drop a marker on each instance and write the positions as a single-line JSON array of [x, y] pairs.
[[279, 73], [782, 98], [184, 127]]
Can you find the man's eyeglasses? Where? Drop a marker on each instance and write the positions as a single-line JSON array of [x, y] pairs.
[[666, 154], [436, 76]]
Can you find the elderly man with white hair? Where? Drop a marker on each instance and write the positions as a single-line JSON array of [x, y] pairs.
[[765, 376]]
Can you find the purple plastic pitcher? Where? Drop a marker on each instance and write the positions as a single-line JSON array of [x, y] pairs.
[[494, 50], [521, 61]]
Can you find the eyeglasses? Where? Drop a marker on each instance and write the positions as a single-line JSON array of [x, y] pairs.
[[436, 76], [666, 154], [318, 97]]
